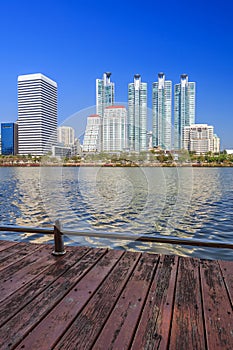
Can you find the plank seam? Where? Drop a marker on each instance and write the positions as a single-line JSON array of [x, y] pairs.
[[144, 303], [173, 303], [119, 295]]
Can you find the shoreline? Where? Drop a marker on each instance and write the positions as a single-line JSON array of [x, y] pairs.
[[118, 165]]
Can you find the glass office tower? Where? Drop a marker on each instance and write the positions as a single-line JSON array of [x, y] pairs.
[[9, 139]]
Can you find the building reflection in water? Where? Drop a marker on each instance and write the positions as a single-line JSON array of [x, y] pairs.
[[184, 202]]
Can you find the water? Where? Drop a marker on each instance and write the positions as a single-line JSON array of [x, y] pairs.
[[184, 202]]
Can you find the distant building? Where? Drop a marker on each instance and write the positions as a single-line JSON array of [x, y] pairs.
[[229, 151], [92, 136], [162, 112], [115, 129], [137, 115], [149, 135], [66, 135], [216, 144], [9, 138], [60, 151], [184, 105], [76, 148], [199, 138], [37, 114]]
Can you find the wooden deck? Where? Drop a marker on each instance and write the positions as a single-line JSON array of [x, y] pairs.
[[111, 299]]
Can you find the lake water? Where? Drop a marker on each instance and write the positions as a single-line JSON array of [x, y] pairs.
[[184, 202]]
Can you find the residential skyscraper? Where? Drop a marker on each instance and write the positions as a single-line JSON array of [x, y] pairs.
[[105, 91], [184, 114], [9, 141], [105, 95], [137, 115], [37, 114], [91, 141], [162, 112], [115, 133]]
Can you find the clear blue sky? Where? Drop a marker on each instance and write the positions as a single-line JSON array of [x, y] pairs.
[[75, 41]]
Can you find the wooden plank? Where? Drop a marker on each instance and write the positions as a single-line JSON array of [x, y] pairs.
[[16, 253], [13, 331], [227, 272], [217, 307], [187, 324], [120, 327], [81, 334], [56, 268], [46, 334], [154, 326], [24, 271], [6, 244]]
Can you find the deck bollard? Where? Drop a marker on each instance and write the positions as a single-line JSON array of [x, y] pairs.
[[58, 239]]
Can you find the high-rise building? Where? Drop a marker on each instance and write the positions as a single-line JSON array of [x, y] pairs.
[[105, 95], [184, 114], [199, 138], [37, 114], [65, 135], [105, 91], [137, 115], [162, 112], [91, 141], [115, 133], [9, 141]]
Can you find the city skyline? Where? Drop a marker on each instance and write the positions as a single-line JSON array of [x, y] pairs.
[[196, 40]]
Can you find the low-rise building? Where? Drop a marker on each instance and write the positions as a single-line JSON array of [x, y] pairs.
[[199, 138]]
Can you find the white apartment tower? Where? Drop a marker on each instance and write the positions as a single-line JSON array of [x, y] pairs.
[[65, 135], [137, 115], [115, 133], [37, 114], [91, 141], [184, 114], [161, 112]]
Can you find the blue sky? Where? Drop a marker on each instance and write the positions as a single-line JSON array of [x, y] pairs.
[[75, 41]]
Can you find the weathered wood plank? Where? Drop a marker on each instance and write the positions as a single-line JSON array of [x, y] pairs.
[[23, 271], [227, 272], [16, 253], [217, 307], [13, 331], [187, 324], [6, 244], [154, 326], [119, 329], [90, 321], [55, 268], [45, 335]]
